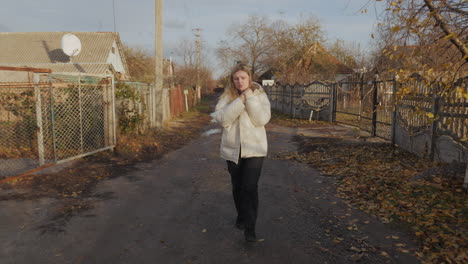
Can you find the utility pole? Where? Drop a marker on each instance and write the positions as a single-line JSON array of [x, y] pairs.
[[198, 47], [158, 83]]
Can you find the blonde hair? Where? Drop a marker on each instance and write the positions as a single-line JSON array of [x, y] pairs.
[[231, 89]]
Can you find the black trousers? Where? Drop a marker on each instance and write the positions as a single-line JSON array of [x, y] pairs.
[[244, 177]]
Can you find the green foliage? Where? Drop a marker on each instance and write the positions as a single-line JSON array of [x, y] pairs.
[[18, 134], [129, 117]]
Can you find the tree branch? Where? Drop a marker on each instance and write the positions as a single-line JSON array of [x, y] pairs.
[[453, 38]]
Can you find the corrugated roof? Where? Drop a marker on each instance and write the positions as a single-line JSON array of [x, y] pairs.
[[43, 50]]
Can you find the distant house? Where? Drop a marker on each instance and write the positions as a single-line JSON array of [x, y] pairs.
[[101, 52], [318, 61], [267, 78]]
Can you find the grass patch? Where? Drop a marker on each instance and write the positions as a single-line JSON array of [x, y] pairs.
[[281, 119]]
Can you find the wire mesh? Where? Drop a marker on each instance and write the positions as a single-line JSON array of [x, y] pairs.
[[47, 118], [18, 147]]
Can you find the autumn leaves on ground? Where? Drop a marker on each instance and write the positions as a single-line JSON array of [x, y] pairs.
[[398, 188]]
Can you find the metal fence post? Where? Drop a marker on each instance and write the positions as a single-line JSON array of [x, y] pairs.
[[335, 99], [40, 128], [301, 100], [291, 102], [80, 106], [375, 102], [52, 118], [114, 119], [361, 98], [282, 99], [435, 111], [394, 112], [332, 102]]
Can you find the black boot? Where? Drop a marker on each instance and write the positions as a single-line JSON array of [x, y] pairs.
[[250, 235]]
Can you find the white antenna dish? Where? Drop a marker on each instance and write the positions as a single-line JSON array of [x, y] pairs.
[[71, 45]]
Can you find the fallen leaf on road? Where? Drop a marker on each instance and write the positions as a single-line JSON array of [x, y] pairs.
[[353, 248], [356, 257]]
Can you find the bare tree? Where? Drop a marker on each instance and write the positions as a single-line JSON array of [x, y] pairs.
[[247, 42], [187, 51], [291, 44], [140, 64], [350, 53]]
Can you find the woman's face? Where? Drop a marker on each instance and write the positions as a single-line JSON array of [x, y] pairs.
[[241, 80]]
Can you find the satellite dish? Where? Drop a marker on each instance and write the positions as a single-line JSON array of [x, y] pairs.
[[71, 45]]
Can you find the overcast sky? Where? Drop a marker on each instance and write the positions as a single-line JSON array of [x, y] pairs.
[[134, 19]]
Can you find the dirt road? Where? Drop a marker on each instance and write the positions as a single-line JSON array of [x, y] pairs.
[[179, 209]]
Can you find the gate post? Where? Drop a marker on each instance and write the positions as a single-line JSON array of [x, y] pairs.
[[374, 106], [394, 113], [40, 127], [291, 102], [332, 102], [435, 112]]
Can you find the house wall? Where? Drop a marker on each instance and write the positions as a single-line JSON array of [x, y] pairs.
[[115, 59]]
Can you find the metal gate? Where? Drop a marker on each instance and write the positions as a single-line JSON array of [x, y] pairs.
[[51, 118], [367, 105]]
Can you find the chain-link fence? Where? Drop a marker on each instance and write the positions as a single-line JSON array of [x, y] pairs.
[[50, 118]]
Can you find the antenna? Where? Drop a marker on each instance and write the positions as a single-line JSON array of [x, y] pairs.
[[71, 45]]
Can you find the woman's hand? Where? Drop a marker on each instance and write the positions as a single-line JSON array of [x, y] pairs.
[[242, 97], [247, 92]]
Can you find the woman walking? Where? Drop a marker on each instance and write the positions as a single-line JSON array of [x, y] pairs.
[[243, 110]]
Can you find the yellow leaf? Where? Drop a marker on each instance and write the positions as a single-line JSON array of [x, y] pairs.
[[396, 28], [430, 115], [385, 254]]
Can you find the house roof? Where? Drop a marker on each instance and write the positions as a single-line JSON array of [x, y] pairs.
[[43, 50], [317, 57], [91, 68]]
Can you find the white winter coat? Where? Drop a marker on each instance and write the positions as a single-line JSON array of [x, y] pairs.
[[243, 125]]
